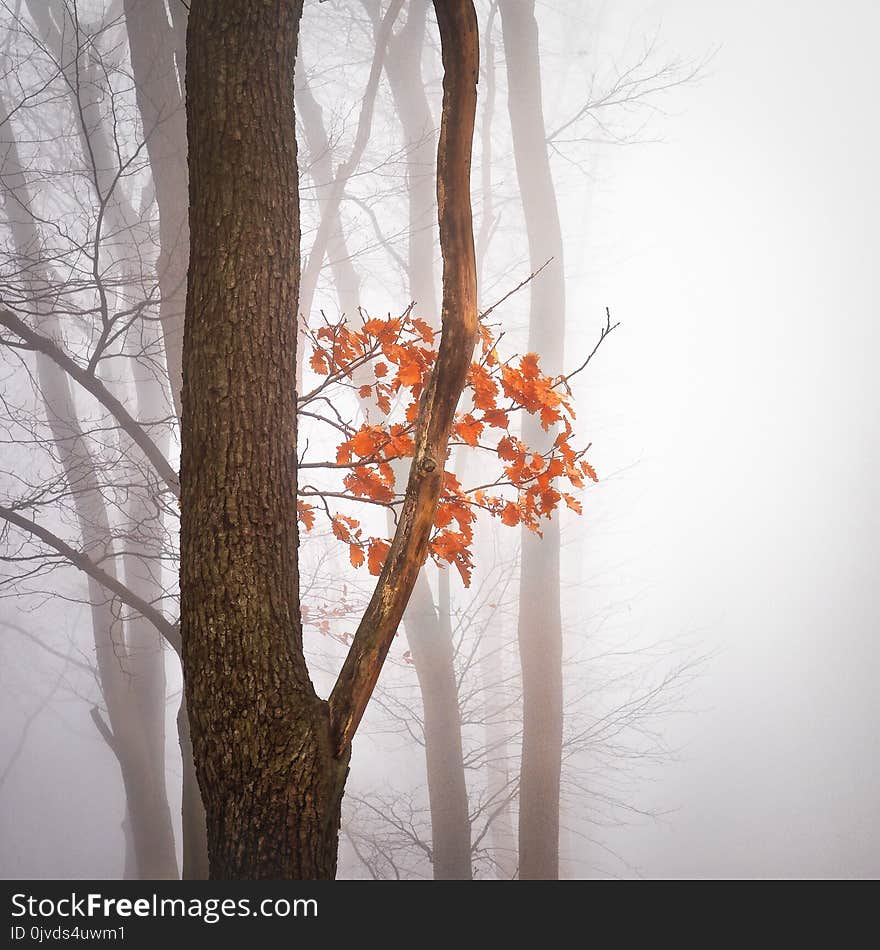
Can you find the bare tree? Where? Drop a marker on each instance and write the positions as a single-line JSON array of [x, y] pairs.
[[134, 692]]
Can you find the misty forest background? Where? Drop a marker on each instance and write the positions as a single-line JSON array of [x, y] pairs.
[[713, 168]]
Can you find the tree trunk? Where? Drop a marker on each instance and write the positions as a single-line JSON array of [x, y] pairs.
[[429, 636], [195, 834], [404, 70], [330, 198], [540, 619], [158, 75], [158, 57], [431, 653], [271, 782], [494, 642]]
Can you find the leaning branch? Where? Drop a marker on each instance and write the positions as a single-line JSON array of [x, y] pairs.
[[360, 671], [91, 383], [83, 562]]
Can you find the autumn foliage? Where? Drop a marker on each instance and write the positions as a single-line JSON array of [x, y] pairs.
[[387, 362]]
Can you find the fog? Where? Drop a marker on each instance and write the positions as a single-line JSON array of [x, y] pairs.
[[729, 546], [740, 405]]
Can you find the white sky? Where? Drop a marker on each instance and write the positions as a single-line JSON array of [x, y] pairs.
[[741, 258]]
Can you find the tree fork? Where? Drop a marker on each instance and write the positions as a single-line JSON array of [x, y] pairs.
[[271, 756]]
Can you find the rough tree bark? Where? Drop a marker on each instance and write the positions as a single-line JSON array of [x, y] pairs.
[[271, 756], [540, 618], [270, 780]]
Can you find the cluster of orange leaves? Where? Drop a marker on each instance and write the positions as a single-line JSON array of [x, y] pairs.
[[388, 361]]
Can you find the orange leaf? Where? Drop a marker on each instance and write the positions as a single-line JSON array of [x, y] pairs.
[[378, 551], [364, 443], [443, 516], [496, 418], [469, 429], [384, 330], [485, 337], [485, 388], [318, 362], [365, 483], [400, 443], [423, 329], [306, 514], [452, 546], [356, 555], [511, 514], [410, 373], [549, 500], [573, 503], [508, 450], [342, 527], [529, 365]]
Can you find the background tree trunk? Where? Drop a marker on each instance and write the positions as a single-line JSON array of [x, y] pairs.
[[345, 278], [158, 69], [133, 738], [540, 618], [428, 627], [158, 59]]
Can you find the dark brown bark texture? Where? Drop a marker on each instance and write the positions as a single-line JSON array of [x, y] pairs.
[[270, 781], [540, 619]]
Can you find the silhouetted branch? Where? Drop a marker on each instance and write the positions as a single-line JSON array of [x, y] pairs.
[[42, 344], [84, 563]]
